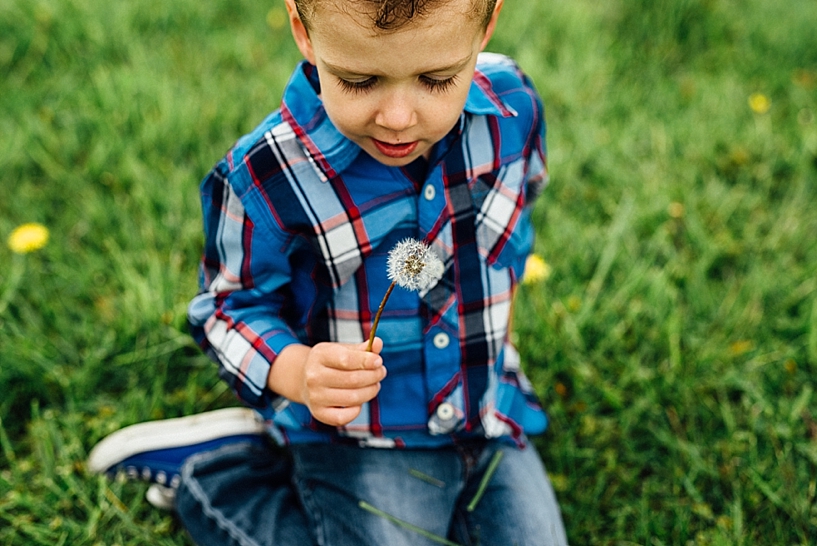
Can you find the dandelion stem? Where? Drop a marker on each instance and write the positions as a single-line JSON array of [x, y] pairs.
[[12, 282], [377, 316]]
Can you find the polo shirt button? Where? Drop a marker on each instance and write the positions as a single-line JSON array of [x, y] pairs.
[[445, 411], [429, 193], [441, 340]]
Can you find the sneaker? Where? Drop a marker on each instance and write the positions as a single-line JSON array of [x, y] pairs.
[[161, 497], [155, 451]]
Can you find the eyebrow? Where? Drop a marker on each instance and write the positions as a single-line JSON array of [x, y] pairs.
[[454, 67]]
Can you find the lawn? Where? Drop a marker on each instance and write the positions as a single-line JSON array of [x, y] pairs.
[[674, 341]]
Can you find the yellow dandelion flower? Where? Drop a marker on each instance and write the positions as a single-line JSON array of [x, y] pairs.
[[676, 209], [536, 269], [759, 103], [28, 238], [737, 348], [560, 482], [276, 18], [739, 156], [724, 521]]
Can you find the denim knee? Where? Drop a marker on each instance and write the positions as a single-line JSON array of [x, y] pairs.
[[241, 494]]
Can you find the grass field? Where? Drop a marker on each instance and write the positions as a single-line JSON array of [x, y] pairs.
[[674, 343]]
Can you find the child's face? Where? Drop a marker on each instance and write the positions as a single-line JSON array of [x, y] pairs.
[[393, 93]]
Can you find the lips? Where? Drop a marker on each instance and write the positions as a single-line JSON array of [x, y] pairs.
[[395, 150]]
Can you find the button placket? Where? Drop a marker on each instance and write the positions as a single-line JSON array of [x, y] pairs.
[[446, 417]]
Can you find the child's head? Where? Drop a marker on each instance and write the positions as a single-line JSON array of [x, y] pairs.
[[394, 74], [392, 14]]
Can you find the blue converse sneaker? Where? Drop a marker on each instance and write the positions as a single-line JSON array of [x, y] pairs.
[[155, 451]]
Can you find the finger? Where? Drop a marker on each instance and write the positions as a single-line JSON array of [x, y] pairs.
[[319, 379], [332, 378], [343, 397], [377, 346], [364, 360], [347, 357], [336, 417], [332, 396]]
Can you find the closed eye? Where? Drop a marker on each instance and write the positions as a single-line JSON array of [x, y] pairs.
[[434, 85], [357, 86]]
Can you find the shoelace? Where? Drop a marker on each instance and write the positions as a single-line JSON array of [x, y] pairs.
[[147, 474]]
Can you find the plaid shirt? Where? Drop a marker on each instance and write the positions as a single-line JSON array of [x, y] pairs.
[[298, 224]]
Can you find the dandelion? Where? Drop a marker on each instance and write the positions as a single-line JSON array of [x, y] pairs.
[[676, 210], [276, 18], [28, 238], [759, 103], [740, 347], [536, 269], [411, 265], [24, 239]]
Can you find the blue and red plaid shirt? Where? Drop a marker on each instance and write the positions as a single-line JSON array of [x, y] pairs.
[[298, 225]]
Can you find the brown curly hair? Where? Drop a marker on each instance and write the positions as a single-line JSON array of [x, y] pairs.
[[392, 14]]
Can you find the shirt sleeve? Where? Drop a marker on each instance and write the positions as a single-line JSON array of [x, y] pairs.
[[537, 177], [238, 317], [536, 174]]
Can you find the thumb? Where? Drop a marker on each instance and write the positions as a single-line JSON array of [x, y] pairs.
[[377, 346]]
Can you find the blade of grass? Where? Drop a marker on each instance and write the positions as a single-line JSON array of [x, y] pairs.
[[489, 472], [608, 255], [406, 525], [426, 478]]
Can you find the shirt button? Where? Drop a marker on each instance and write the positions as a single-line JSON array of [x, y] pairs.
[[429, 193], [441, 340], [445, 411]]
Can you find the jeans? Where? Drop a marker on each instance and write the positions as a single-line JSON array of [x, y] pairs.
[[338, 495]]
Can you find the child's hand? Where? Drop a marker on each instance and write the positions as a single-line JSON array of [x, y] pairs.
[[332, 379], [339, 378]]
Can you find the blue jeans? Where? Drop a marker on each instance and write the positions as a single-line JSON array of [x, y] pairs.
[[337, 495]]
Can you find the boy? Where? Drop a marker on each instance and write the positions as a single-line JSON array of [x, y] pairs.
[[389, 130]]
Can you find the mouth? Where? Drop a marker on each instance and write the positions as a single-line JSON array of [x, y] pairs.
[[395, 150]]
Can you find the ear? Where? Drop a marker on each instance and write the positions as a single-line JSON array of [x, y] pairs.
[[299, 32], [489, 30]]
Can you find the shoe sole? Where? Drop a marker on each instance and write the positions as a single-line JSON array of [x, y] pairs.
[[172, 433]]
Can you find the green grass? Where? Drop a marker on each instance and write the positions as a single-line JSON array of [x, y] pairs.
[[674, 344]]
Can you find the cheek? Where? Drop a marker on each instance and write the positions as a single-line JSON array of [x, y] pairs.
[[346, 112], [444, 113]]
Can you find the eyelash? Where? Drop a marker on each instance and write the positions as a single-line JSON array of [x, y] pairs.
[[433, 85]]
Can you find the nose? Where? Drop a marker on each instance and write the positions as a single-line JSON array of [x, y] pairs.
[[396, 112]]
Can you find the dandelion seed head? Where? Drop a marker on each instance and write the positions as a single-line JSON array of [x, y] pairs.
[[413, 265]]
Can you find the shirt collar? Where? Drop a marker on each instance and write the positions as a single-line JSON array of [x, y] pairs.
[[483, 101], [304, 111]]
